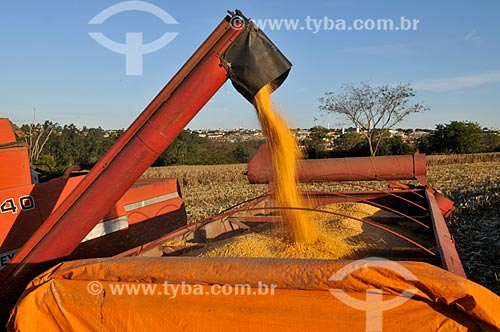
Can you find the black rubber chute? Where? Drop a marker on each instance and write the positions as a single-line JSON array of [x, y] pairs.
[[252, 61]]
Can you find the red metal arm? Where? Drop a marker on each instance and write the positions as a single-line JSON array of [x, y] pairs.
[[151, 133], [343, 169]]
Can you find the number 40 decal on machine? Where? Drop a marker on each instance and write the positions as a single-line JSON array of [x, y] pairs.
[[26, 203]]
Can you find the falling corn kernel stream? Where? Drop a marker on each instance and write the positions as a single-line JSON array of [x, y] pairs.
[[285, 155]]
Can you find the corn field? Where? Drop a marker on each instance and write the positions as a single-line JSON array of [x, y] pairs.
[[471, 181]]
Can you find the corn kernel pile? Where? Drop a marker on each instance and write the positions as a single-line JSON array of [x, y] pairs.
[[339, 237]]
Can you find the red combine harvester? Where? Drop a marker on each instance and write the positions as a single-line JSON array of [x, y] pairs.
[[137, 218], [66, 227]]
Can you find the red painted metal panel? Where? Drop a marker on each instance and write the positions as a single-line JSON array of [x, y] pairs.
[[446, 245], [146, 200], [12, 233], [149, 199], [445, 204], [343, 169], [14, 167], [6, 133]]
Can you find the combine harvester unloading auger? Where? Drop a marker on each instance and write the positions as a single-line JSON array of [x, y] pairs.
[[423, 288]]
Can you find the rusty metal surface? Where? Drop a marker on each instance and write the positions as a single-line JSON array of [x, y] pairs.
[[446, 245], [343, 169], [445, 204]]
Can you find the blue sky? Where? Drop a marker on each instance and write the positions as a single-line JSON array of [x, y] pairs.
[[48, 60]]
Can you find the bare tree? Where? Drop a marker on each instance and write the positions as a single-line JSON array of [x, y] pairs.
[[373, 110], [37, 137]]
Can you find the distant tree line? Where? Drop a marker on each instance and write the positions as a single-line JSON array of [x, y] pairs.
[[456, 137], [67, 145], [459, 137], [375, 110], [55, 147], [352, 144], [191, 149]]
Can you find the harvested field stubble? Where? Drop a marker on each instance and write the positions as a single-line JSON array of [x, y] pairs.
[[463, 158], [475, 188], [475, 225], [208, 190]]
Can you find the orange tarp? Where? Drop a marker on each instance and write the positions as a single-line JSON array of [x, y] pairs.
[[138, 294]]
